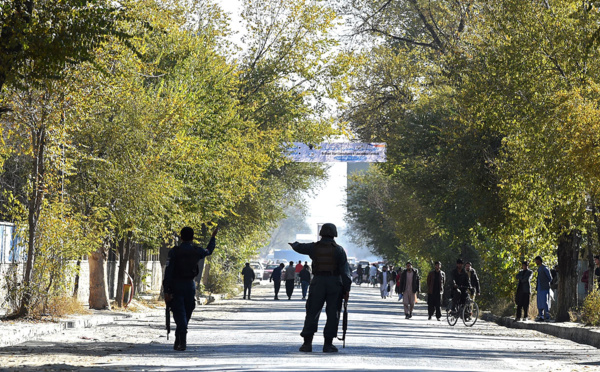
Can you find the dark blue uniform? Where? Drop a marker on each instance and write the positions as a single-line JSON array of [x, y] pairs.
[[179, 280], [326, 287]]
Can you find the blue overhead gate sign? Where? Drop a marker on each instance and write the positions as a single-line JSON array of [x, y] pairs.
[[338, 153]]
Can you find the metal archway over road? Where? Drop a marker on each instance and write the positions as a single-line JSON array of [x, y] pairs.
[[341, 152]]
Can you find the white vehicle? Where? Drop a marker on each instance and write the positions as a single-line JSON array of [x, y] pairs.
[[259, 270]]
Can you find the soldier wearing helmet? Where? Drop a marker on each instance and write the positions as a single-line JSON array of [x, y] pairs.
[[330, 284]]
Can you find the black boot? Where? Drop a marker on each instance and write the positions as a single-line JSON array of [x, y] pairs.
[[176, 345], [307, 345], [328, 346], [182, 341]]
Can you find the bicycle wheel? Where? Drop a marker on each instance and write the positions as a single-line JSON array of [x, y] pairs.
[[451, 316], [470, 314]]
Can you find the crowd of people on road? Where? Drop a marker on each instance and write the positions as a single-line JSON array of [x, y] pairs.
[[329, 279], [463, 281]]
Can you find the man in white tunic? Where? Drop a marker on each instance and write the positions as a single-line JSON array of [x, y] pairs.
[[385, 277]]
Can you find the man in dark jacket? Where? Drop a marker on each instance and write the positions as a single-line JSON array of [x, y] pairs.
[[330, 284], [276, 278], [305, 280], [436, 279], [473, 278], [523, 290], [408, 285], [359, 273], [249, 277], [460, 284], [178, 284]]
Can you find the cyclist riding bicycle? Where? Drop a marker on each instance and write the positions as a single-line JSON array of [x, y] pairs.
[[460, 285]]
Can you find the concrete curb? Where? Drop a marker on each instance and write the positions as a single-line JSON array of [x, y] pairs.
[[570, 331], [13, 333]]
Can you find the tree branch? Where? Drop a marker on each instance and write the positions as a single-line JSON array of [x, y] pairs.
[[403, 39], [428, 26]]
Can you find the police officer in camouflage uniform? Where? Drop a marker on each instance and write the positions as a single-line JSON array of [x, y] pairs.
[[330, 284], [179, 285]]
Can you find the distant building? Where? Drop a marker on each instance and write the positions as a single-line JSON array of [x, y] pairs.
[[10, 251]]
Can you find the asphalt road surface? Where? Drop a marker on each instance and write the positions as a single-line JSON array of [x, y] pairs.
[[263, 334]]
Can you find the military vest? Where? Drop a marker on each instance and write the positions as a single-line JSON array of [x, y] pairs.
[[324, 258], [186, 263]]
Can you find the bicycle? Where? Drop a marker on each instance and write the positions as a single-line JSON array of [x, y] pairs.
[[468, 312]]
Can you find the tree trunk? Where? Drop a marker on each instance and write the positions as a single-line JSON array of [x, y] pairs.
[[35, 204], [111, 269], [98, 290], [589, 253], [568, 254], [591, 264], [76, 286], [123, 260], [134, 265]]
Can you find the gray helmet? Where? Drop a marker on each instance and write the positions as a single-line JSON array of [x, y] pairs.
[[328, 229]]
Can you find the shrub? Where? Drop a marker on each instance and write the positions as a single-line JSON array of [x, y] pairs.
[[590, 311], [59, 306]]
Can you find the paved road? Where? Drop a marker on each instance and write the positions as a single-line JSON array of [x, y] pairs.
[[263, 334]]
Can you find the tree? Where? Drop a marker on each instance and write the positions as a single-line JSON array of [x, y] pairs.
[[536, 100], [46, 35]]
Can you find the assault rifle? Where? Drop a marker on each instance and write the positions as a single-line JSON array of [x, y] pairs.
[[344, 322]]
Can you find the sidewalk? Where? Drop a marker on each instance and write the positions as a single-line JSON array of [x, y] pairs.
[[16, 332], [575, 332]]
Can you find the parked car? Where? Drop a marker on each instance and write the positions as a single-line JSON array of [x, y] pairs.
[[268, 271], [259, 270]]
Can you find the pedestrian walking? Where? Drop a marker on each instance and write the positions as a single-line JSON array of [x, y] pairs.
[[523, 291], [436, 280], [276, 278], [473, 279], [249, 276], [544, 278], [307, 267], [178, 284], [299, 268], [373, 274], [585, 278], [330, 285], [290, 278], [305, 280], [393, 275], [409, 284], [359, 273], [384, 277]]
